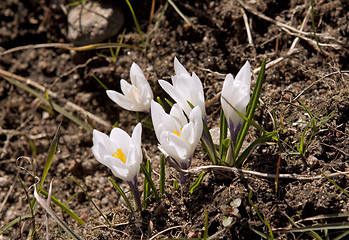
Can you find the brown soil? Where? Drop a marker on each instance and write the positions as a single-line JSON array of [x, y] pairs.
[[215, 44]]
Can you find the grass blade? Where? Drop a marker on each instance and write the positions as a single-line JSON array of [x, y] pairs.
[[13, 222], [148, 177], [336, 185], [136, 22], [50, 156], [122, 194], [64, 208], [56, 107], [179, 12], [100, 82], [49, 210], [90, 199], [260, 216]]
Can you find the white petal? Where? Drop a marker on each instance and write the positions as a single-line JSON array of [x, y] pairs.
[[177, 113], [244, 75], [179, 69], [137, 134], [137, 76], [174, 93]]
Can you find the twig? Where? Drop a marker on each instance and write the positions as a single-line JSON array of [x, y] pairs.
[[296, 40], [276, 61], [242, 172], [68, 104], [167, 229], [280, 24], [11, 188], [34, 46], [248, 30]]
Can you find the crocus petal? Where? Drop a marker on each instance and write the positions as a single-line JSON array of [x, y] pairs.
[[136, 96], [119, 152], [185, 88], [179, 68], [236, 93], [121, 100], [178, 138], [175, 95]]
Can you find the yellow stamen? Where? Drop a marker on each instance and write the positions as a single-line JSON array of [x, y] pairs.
[[177, 133], [120, 155]]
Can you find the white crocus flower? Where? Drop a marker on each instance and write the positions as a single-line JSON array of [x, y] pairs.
[[185, 88], [178, 138], [137, 95], [121, 153], [237, 93]]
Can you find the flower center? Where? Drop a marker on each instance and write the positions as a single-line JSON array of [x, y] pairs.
[[120, 155], [177, 133]]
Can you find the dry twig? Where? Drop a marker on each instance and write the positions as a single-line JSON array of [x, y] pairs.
[[242, 172]]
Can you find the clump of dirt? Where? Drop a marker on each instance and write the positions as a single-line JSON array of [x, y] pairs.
[[214, 44]]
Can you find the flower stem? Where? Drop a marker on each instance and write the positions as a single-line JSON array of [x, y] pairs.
[[136, 195]]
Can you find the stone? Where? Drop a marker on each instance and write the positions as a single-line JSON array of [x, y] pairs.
[[94, 22]]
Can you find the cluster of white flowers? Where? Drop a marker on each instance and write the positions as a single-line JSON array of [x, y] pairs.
[[178, 132]]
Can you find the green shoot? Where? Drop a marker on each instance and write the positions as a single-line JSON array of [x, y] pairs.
[[336, 185], [271, 236], [136, 22], [175, 185], [223, 131], [157, 23], [313, 26], [122, 194], [313, 125], [90, 200], [197, 183], [152, 185], [100, 82], [115, 57], [50, 156], [146, 191], [162, 174]]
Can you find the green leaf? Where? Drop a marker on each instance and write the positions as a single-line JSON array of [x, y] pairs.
[[91, 201], [175, 185], [49, 210], [197, 183], [251, 108], [223, 131], [122, 194], [162, 174], [13, 222], [152, 185], [146, 187], [64, 208], [136, 22], [262, 139], [50, 156]]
